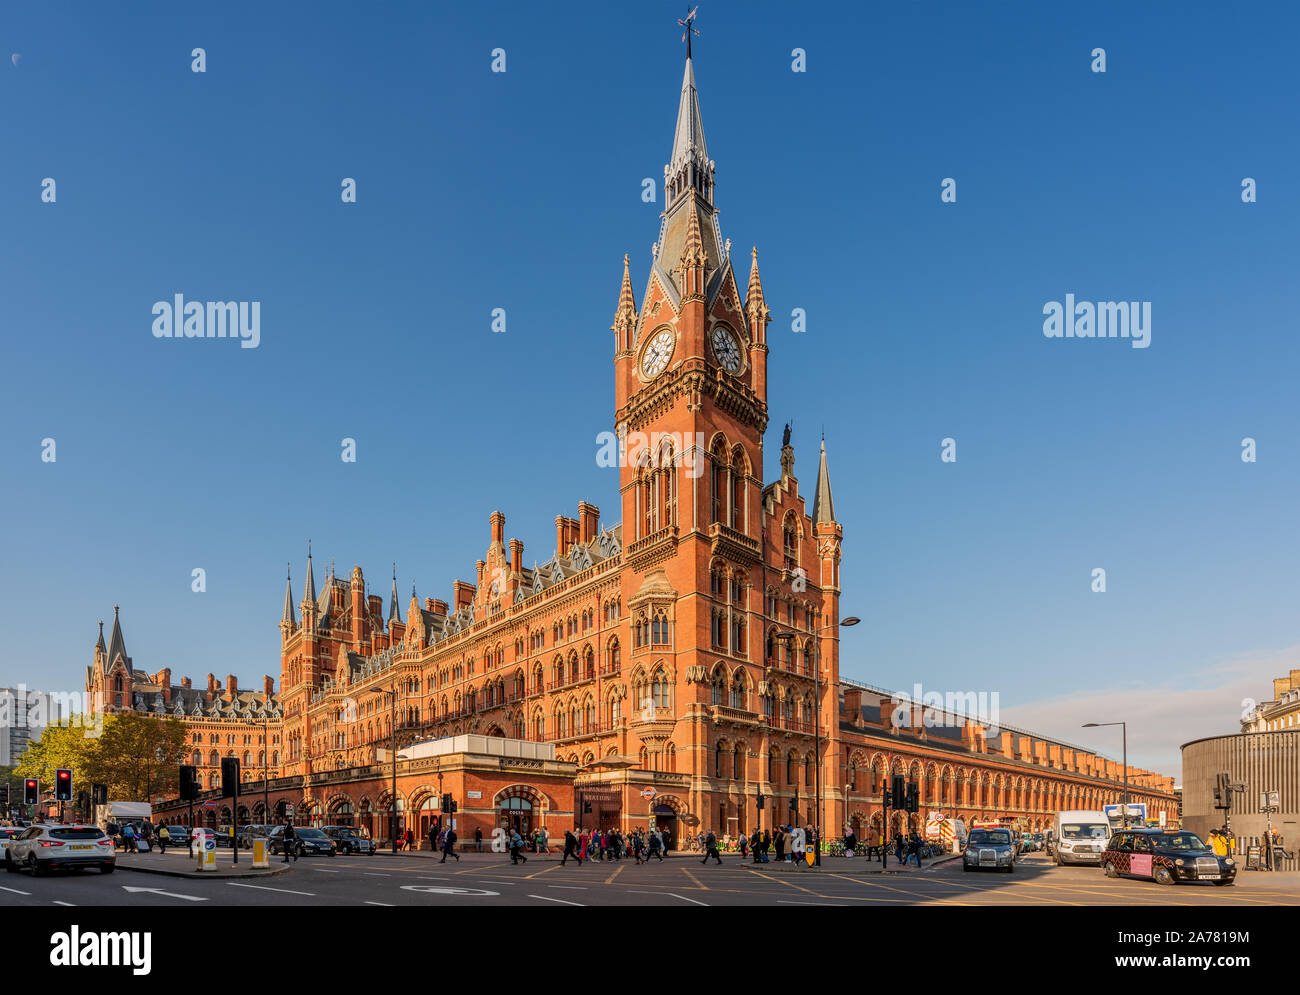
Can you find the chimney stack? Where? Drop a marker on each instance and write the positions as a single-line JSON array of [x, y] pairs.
[[232, 687], [186, 683], [268, 685], [516, 556], [463, 592], [498, 528], [589, 521]]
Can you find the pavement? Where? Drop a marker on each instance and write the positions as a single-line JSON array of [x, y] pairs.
[[491, 880], [179, 864]]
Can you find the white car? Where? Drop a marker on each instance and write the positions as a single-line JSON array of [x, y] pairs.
[[198, 836], [8, 834], [54, 846]]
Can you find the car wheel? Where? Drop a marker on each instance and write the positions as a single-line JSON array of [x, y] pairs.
[[1111, 870], [332, 853], [33, 865], [107, 870], [10, 866], [1164, 876], [1220, 884], [1011, 867], [965, 866]]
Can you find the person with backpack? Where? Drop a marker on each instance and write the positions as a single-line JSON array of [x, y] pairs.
[[449, 846], [289, 842], [517, 847]]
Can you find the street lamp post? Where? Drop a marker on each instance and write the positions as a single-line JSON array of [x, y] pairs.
[[789, 638], [1124, 729], [392, 818]]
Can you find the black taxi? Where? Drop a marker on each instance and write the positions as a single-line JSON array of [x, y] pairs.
[[1166, 856]]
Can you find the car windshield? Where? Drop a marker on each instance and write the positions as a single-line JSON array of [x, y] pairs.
[[1082, 831], [993, 837], [1178, 841], [311, 834], [75, 833]]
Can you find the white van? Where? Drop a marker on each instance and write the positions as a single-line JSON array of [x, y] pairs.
[[1081, 836]]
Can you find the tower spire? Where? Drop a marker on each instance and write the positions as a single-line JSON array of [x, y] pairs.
[[116, 644], [625, 315], [288, 618], [823, 505], [99, 643], [309, 586], [393, 614]]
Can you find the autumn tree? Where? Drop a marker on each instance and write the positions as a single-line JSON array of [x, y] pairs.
[[137, 757]]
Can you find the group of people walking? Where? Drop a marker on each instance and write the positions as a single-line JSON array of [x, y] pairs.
[[639, 845]]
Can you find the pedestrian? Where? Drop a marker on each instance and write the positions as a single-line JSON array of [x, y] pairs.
[[756, 847], [850, 843], [128, 838], [449, 846], [410, 839], [433, 838], [290, 842], [517, 847], [767, 844], [543, 840], [478, 839], [711, 848], [570, 848], [164, 837], [779, 840]]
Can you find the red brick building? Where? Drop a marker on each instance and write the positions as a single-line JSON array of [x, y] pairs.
[[669, 659]]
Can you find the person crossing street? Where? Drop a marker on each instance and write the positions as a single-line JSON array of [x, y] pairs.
[[711, 848]]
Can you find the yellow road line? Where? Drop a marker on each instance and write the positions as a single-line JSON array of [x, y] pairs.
[[610, 879], [698, 883]]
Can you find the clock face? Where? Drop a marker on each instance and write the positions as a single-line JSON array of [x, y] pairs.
[[657, 353], [727, 349]]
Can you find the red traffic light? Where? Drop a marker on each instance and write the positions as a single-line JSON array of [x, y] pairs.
[[65, 775], [31, 783]]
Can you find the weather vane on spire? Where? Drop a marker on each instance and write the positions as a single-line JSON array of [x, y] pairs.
[[688, 28]]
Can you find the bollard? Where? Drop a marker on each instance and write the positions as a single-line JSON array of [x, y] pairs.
[[259, 852], [208, 854]]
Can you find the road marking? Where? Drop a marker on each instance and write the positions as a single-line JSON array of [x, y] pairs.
[[262, 887], [785, 901], [537, 874], [610, 879], [158, 891], [387, 905], [901, 891], [375, 874], [68, 904], [434, 889], [568, 887], [544, 898], [15, 890], [698, 883], [673, 894], [325, 870]]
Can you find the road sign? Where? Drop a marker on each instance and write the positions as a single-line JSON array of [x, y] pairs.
[[288, 810], [648, 793], [209, 804], [810, 853]]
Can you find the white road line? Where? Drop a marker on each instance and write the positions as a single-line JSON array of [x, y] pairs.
[[376, 874], [544, 898], [782, 901], [262, 887], [68, 904], [568, 887], [387, 905], [14, 890], [673, 894]]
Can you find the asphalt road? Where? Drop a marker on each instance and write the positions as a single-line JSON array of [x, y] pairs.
[[409, 879]]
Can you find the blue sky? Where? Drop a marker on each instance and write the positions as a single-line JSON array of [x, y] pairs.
[[522, 191]]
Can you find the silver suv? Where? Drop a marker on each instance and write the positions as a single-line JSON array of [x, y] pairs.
[[53, 846]]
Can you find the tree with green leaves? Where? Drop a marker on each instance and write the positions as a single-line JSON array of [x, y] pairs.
[[138, 757]]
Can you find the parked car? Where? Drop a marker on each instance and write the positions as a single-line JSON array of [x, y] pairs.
[[8, 834], [348, 840], [1166, 857], [197, 836], [225, 835], [249, 833], [991, 850], [53, 846], [178, 836], [307, 840]]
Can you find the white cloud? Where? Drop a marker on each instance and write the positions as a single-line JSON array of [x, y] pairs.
[[1161, 715]]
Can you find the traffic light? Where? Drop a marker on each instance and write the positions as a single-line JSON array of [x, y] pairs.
[[189, 783], [898, 792], [4, 798], [762, 798], [913, 797], [99, 794], [63, 785], [454, 807], [230, 777], [446, 802], [31, 791], [586, 808]]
